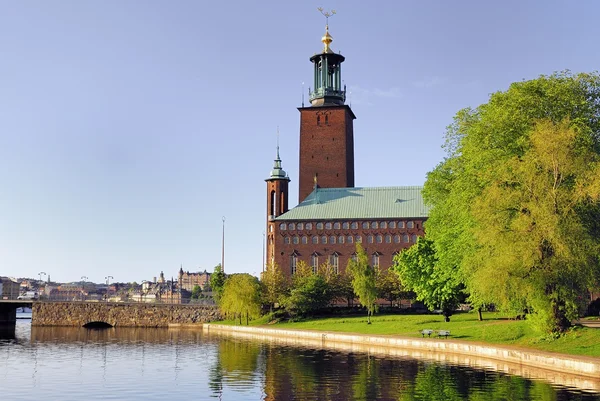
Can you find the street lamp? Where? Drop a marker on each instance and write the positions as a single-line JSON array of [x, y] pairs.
[[107, 283], [42, 273]]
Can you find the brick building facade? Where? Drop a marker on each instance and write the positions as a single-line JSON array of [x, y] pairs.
[[333, 215]]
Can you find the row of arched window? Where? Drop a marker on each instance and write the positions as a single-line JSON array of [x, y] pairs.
[[346, 225], [333, 259], [351, 239]]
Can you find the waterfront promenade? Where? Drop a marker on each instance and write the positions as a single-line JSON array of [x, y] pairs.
[[566, 370]]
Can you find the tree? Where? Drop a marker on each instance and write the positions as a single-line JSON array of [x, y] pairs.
[[418, 270], [217, 282], [364, 278], [241, 297], [274, 285], [515, 205], [196, 291], [309, 293], [389, 286]]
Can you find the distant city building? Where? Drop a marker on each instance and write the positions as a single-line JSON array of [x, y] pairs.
[[187, 281]]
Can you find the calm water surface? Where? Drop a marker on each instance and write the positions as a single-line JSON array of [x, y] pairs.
[[160, 364]]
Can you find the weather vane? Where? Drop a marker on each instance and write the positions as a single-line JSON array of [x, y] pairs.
[[326, 14]]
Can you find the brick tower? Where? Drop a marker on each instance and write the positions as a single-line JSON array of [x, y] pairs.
[[326, 127], [277, 200]]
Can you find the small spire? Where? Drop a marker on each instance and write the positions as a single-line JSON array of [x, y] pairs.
[[278, 172], [327, 39]]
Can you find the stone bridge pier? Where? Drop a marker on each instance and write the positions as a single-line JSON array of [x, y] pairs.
[[78, 314]]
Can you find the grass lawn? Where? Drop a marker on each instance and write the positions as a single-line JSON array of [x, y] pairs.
[[494, 329]]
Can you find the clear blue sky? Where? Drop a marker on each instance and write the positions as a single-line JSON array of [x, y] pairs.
[[129, 128]]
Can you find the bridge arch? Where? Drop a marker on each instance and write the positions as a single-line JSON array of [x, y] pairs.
[[97, 325]]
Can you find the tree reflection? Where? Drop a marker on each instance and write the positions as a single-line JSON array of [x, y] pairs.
[[237, 362]]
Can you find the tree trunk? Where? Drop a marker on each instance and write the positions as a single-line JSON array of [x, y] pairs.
[[480, 316], [368, 317], [247, 319], [560, 322]]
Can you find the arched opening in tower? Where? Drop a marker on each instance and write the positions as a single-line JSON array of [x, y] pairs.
[[97, 325]]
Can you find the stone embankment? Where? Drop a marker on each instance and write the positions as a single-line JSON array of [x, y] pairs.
[[78, 314], [572, 371]]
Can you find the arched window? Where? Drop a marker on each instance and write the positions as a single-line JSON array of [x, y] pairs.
[[283, 226], [336, 226], [350, 239], [392, 224], [388, 239], [369, 239], [300, 226], [315, 239], [295, 240], [328, 226], [319, 226], [400, 224], [286, 240], [365, 225], [341, 239], [354, 225], [324, 239], [405, 238], [383, 225], [397, 239], [309, 226], [292, 226], [345, 225], [304, 239], [410, 224], [374, 225], [273, 202], [414, 239], [379, 239], [358, 239], [332, 239]]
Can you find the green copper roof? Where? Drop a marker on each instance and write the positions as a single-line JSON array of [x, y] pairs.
[[360, 203]]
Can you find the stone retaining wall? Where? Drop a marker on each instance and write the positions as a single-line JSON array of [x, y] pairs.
[[573, 371], [120, 314]]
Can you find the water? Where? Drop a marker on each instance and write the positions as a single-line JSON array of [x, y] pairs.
[[160, 364]]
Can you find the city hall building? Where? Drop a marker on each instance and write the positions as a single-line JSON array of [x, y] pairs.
[[332, 214]]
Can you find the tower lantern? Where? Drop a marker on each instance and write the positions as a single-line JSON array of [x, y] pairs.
[[327, 74]]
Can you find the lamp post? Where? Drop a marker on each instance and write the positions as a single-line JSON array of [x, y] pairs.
[[107, 283], [39, 285], [223, 248], [42, 273]]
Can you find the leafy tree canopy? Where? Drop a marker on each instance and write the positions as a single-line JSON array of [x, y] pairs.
[[364, 279], [515, 207], [241, 297], [217, 282], [420, 272]]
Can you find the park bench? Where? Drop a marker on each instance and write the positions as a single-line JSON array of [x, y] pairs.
[[426, 332], [443, 333]]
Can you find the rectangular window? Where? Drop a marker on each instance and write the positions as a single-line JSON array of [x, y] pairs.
[[314, 262], [293, 261], [376, 260], [334, 261]]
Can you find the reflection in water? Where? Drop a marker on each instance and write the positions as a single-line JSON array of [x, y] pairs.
[[154, 364]]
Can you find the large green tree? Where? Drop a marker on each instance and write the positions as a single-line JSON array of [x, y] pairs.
[[241, 297], [420, 272], [515, 207], [364, 281]]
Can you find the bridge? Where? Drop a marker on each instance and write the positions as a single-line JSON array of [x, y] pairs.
[[81, 313]]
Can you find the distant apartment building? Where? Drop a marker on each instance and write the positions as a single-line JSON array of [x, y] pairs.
[[187, 281]]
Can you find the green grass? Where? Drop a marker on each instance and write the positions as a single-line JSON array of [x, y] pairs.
[[494, 329]]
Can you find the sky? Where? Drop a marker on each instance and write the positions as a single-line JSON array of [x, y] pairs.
[[129, 129]]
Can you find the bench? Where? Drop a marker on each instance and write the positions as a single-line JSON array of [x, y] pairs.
[[426, 332], [443, 333]]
